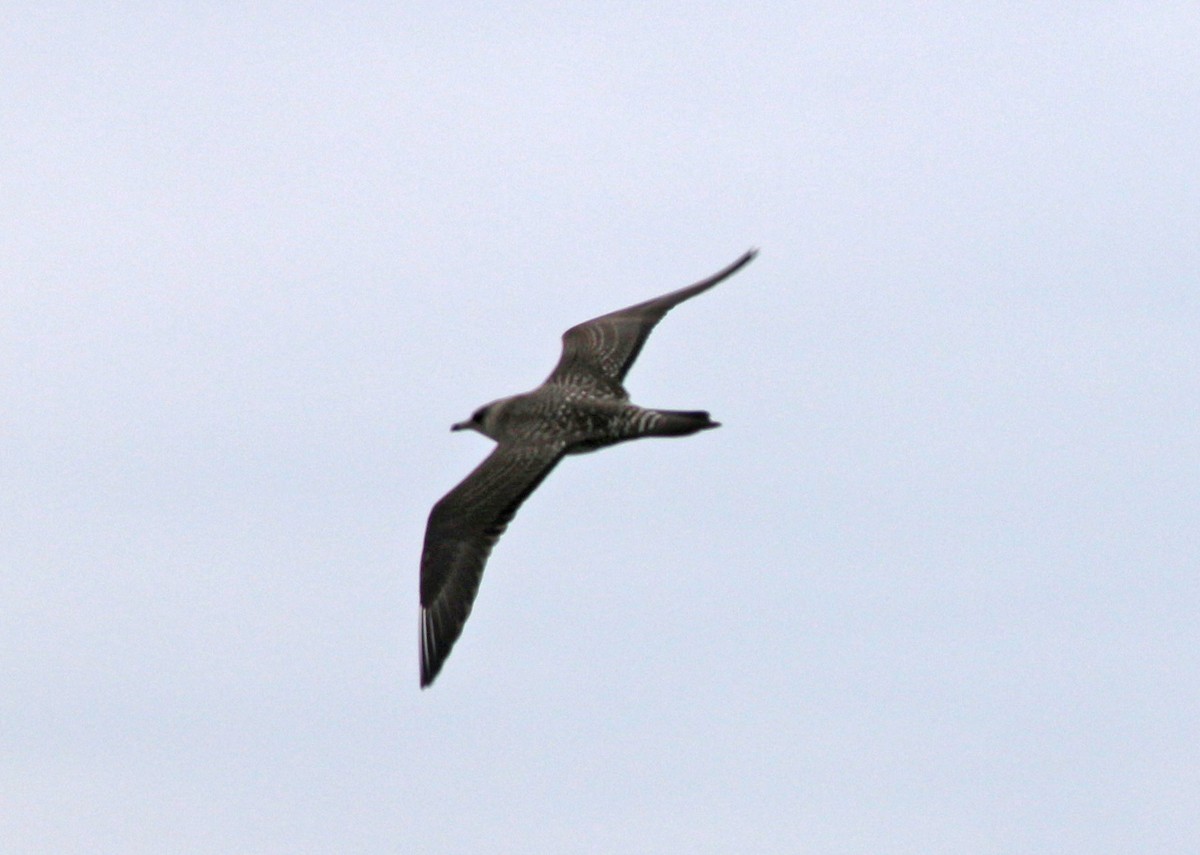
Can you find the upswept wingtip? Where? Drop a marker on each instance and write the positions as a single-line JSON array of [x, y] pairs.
[[745, 258]]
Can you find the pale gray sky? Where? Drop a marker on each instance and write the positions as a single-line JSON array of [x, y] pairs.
[[931, 589]]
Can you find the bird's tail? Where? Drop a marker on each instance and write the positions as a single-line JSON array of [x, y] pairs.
[[681, 422]]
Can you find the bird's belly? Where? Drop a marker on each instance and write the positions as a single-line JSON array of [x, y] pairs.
[[591, 444]]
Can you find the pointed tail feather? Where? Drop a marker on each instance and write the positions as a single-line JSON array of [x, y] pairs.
[[682, 422]]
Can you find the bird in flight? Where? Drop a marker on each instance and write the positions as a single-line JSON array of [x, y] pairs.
[[582, 406]]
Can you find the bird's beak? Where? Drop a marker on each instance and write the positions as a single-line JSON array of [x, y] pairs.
[[460, 426]]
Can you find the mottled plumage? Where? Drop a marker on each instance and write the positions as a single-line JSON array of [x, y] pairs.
[[582, 406]]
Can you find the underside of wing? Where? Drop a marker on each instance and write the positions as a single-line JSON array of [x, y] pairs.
[[599, 352], [463, 526]]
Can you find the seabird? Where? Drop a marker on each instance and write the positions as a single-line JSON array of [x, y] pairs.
[[582, 406]]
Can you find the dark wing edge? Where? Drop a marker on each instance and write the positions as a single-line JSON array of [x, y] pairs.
[[463, 527], [604, 348]]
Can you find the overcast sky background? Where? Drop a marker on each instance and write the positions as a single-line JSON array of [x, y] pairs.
[[931, 589]]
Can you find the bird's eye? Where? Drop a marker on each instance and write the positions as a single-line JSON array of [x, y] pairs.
[[479, 414]]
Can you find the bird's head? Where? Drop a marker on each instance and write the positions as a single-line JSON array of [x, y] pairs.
[[481, 420]]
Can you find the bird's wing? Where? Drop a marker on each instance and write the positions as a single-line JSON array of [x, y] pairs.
[[599, 352], [462, 529]]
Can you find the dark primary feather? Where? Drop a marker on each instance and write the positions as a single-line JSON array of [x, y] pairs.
[[463, 526], [603, 349]]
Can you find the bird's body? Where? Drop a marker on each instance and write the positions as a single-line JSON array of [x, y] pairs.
[[579, 421], [581, 407]]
